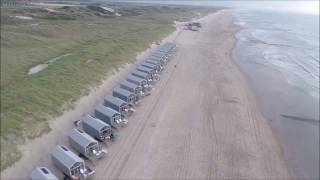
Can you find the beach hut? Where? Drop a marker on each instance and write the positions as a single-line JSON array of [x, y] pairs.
[[97, 128], [163, 53], [69, 163], [156, 67], [143, 75], [169, 48], [125, 95], [140, 82], [42, 173], [111, 113], [146, 70], [152, 72], [155, 62], [132, 87], [86, 145], [161, 56], [159, 53], [159, 59]]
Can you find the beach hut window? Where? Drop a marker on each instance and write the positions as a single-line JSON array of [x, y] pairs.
[[122, 109], [65, 149], [80, 131], [105, 132], [131, 98], [44, 171], [137, 90]]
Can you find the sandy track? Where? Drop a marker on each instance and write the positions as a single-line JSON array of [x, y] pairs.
[[200, 122]]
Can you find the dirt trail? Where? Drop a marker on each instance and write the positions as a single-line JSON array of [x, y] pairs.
[[200, 122]]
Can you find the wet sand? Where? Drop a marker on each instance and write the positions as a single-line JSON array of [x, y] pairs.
[[201, 121], [293, 115]]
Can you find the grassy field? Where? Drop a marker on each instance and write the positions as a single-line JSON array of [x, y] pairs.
[[98, 42]]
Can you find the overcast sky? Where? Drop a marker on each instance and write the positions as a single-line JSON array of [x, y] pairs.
[[293, 6], [296, 6]]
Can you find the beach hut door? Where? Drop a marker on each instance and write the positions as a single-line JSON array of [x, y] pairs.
[[75, 170], [105, 133]]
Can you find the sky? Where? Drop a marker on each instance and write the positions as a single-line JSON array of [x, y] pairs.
[[307, 6], [311, 7]]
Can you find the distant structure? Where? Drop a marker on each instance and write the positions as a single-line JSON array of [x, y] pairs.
[[193, 26], [14, 2]]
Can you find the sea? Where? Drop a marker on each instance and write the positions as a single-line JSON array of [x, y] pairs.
[[279, 53], [278, 50]]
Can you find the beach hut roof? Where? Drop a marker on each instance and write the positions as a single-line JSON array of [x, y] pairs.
[[94, 122], [66, 156], [144, 68], [81, 137], [168, 45], [42, 173], [129, 84], [140, 73], [148, 64], [123, 91], [108, 111], [166, 48], [160, 52], [156, 57], [136, 78], [152, 61]]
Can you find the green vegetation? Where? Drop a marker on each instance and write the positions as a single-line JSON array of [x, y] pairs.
[[99, 42]]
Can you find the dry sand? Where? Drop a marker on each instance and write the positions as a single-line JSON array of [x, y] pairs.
[[200, 122]]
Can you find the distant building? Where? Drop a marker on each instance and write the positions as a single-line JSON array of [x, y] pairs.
[[14, 2]]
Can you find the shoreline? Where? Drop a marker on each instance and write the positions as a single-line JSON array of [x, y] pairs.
[[255, 98], [264, 106], [189, 126]]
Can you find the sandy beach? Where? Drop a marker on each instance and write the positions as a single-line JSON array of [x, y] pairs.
[[200, 122]]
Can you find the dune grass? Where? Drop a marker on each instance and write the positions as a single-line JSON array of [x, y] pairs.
[[97, 45]]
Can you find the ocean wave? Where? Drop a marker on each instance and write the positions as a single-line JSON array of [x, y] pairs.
[[290, 48]]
